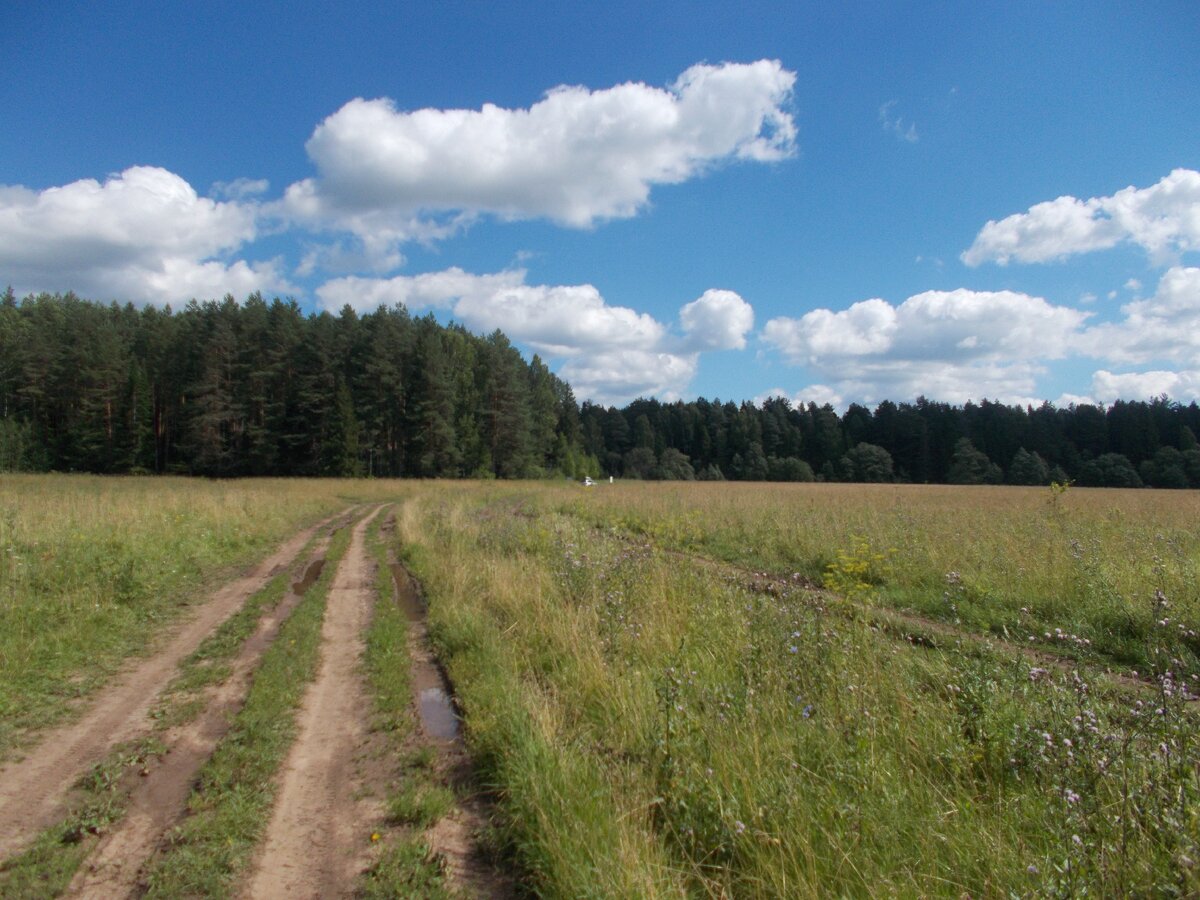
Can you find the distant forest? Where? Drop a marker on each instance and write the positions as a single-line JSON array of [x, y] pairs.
[[260, 388]]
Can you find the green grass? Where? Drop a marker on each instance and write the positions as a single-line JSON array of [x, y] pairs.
[[231, 805], [1075, 572], [404, 866], [47, 867], [91, 569], [651, 726], [406, 869], [656, 730]]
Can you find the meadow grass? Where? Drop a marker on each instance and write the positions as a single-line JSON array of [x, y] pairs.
[[230, 807], [1083, 572], [47, 867], [652, 726], [92, 569], [654, 729], [403, 865]]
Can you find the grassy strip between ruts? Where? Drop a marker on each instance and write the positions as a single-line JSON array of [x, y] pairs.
[[48, 866], [229, 809], [209, 665], [404, 866]]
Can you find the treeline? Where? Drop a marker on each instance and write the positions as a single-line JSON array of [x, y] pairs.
[[260, 388], [1129, 444]]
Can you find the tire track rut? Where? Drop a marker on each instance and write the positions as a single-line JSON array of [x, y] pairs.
[[314, 846], [34, 789], [160, 799]]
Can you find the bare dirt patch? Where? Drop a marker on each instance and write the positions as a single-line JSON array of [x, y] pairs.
[[316, 844], [34, 789]]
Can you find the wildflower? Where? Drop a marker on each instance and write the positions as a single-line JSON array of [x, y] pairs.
[[374, 836], [808, 711], [1036, 673], [1031, 869], [1076, 840], [1071, 797], [739, 826], [793, 649]]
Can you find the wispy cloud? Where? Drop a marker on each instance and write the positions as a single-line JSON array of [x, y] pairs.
[[905, 131]]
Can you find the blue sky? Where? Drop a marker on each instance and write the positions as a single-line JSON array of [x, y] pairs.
[[842, 202]]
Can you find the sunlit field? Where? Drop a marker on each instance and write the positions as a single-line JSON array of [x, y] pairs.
[[1083, 570], [91, 569], [657, 726], [723, 689]]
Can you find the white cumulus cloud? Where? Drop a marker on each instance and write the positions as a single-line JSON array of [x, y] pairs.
[[1163, 219], [240, 188], [576, 157], [610, 354], [949, 345], [1165, 327], [1183, 386], [820, 394], [717, 320], [142, 235]]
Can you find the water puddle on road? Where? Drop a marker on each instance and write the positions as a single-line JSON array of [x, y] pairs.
[[407, 594], [438, 716], [311, 574]]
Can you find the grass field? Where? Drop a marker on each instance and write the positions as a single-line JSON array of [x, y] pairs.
[[659, 729], [655, 717]]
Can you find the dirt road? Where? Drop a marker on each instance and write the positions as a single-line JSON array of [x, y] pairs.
[[159, 799], [316, 843], [33, 790]]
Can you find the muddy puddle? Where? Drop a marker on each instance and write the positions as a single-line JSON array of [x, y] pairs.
[[311, 574], [439, 719]]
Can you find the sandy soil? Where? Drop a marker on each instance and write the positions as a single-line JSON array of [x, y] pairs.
[[34, 789], [318, 840]]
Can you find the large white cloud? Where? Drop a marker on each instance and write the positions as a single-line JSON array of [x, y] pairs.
[[1163, 219], [1164, 328], [1183, 386], [610, 354], [142, 235], [717, 320], [949, 345], [617, 376], [820, 394], [576, 157], [438, 290], [951, 326]]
